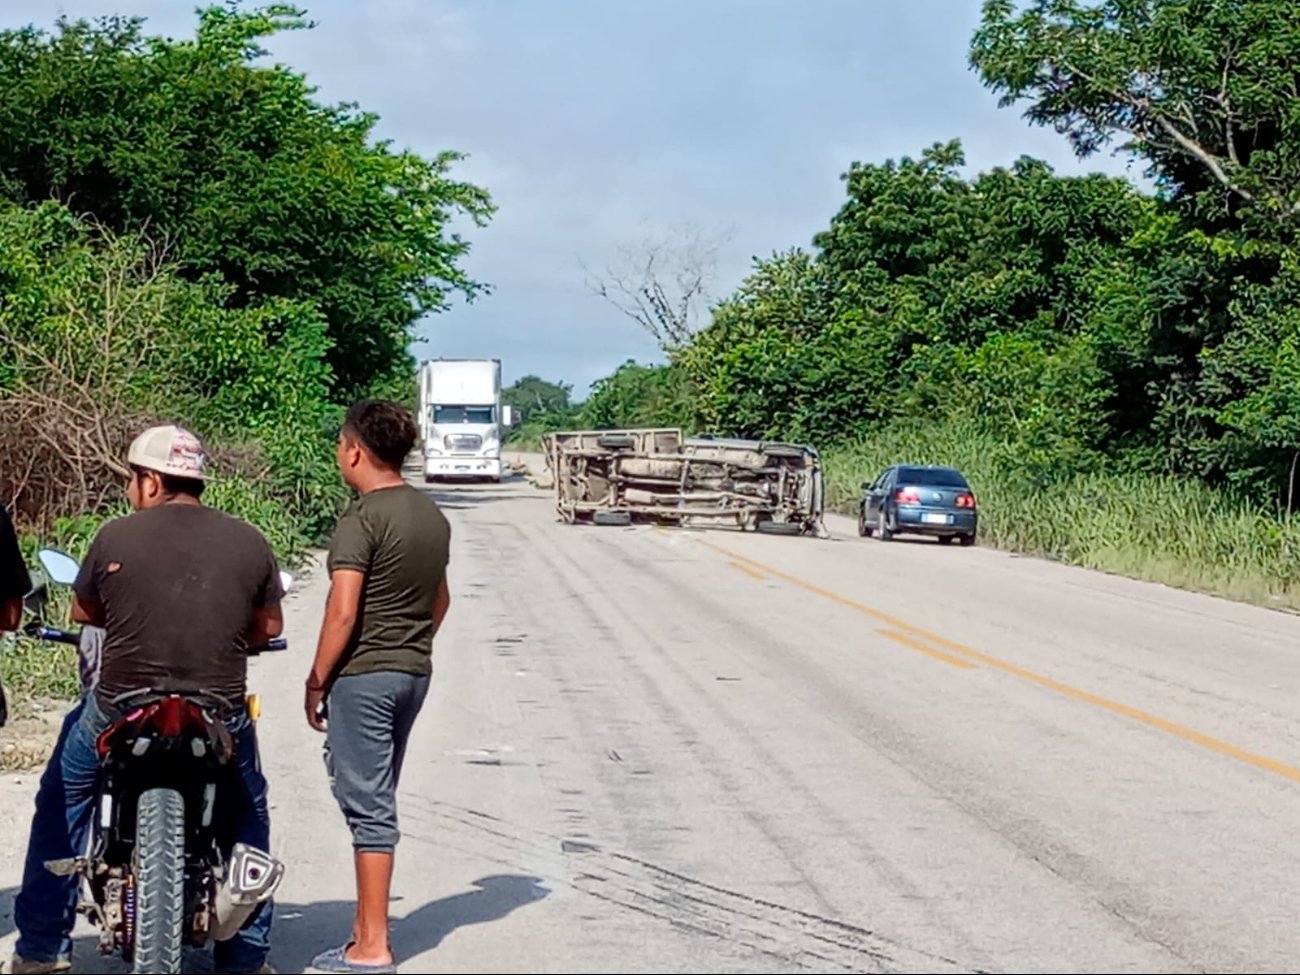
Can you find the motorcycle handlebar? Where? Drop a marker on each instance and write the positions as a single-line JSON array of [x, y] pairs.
[[280, 643], [52, 635]]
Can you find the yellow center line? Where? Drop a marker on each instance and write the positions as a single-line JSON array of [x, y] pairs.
[[1191, 735], [747, 569], [915, 644]]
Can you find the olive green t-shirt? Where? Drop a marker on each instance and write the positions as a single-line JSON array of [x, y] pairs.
[[401, 540]]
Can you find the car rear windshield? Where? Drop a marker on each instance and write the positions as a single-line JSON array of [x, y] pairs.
[[932, 477]]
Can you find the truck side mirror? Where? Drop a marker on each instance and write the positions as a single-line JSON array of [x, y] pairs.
[[507, 416]]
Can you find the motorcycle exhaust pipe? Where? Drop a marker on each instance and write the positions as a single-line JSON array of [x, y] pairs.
[[252, 877]]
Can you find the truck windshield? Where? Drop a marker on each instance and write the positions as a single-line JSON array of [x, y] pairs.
[[464, 414]]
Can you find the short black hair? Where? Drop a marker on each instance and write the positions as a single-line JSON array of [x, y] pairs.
[[386, 429], [171, 484]]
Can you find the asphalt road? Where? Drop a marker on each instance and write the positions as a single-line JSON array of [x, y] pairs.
[[701, 751]]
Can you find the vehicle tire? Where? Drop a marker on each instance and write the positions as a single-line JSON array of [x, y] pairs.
[[160, 881], [780, 528], [945, 539], [967, 540], [781, 450], [614, 519], [883, 528], [864, 530], [616, 441]]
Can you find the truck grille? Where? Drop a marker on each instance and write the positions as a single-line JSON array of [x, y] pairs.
[[464, 442]]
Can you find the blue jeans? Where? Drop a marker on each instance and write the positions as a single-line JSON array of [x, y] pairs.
[[45, 910]]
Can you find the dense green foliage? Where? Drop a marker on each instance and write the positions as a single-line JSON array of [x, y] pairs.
[[187, 235], [99, 337], [242, 171]]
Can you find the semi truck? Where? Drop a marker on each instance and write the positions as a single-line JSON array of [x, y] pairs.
[[462, 419]]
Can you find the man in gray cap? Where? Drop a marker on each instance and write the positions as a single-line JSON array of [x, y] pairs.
[[181, 590]]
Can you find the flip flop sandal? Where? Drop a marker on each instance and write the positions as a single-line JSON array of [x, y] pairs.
[[336, 960]]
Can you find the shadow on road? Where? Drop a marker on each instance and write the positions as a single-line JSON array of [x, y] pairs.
[[463, 495], [303, 930]]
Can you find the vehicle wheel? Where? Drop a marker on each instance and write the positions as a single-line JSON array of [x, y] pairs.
[[781, 450], [780, 528], [616, 441], [864, 530], [617, 519], [883, 528], [160, 881], [945, 539], [967, 541]]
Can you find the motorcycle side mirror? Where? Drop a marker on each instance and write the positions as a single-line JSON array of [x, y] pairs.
[[286, 580], [61, 567]]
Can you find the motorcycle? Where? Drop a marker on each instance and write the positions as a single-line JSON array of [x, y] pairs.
[[154, 879]]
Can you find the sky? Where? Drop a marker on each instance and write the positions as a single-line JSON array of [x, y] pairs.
[[599, 124]]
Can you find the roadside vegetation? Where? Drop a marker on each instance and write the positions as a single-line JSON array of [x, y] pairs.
[[188, 235], [1117, 371]]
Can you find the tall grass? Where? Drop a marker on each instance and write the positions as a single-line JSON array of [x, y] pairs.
[[1158, 528]]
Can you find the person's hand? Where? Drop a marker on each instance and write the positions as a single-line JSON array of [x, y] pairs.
[[315, 704]]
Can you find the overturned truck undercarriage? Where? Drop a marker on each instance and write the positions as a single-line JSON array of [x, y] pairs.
[[616, 477]]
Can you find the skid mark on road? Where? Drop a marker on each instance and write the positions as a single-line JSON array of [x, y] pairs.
[[799, 938], [1190, 735]]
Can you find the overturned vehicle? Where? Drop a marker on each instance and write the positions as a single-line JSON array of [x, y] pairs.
[[617, 477]]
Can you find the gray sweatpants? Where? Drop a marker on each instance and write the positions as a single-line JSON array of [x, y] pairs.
[[369, 719]]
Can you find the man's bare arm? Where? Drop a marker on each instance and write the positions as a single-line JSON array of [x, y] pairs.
[[341, 611], [11, 614], [88, 612], [441, 603], [267, 624]]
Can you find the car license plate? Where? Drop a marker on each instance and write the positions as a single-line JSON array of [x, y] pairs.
[[933, 519]]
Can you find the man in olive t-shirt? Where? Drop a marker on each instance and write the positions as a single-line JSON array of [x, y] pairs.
[[388, 597]]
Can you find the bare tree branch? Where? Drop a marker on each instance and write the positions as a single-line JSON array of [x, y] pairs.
[[662, 284]]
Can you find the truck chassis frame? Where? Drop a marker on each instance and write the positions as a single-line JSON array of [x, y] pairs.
[[655, 476]]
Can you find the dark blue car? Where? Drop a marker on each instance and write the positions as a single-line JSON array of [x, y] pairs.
[[909, 499]]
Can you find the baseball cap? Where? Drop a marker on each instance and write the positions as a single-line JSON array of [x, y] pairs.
[[169, 450]]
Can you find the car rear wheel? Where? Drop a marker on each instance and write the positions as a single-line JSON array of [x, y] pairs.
[[968, 540], [883, 527], [945, 539], [864, 530]]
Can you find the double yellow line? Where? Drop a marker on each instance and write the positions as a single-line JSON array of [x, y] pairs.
[[961, 656]]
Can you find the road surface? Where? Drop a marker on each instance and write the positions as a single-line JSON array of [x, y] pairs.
[[687, 751]]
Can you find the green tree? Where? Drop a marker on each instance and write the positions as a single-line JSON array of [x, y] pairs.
[[637, 395], [242, 172], [1204, 90], [534, 398]]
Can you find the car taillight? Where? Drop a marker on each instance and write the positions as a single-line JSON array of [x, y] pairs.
[[908, 496], [966, 500]]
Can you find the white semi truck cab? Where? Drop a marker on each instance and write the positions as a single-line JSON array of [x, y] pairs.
[[462, 420]]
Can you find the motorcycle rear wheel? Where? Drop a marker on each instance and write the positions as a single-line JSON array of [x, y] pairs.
[[160, 882]]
